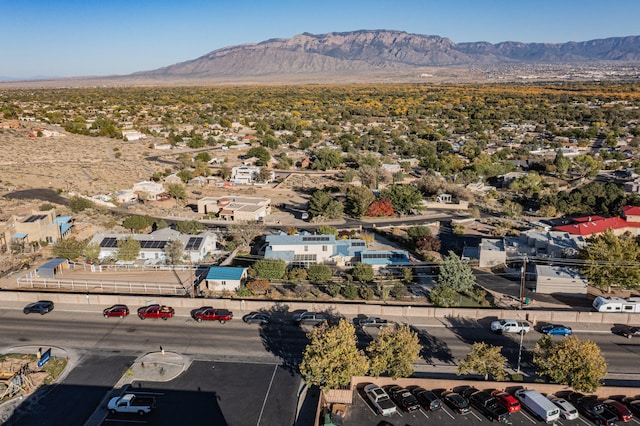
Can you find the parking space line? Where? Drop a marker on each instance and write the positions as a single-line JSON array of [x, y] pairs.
[[423, 413], [528, 418], [583, 421], [475, 415], [635, 420], [367, 404], [147, 393], [125, 421], [448, 413], [264, 403]]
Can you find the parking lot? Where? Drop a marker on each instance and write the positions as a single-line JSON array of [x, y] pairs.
[[362, 413], [219, 393]]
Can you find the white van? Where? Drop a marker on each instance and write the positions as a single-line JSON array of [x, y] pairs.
[[537, 404]]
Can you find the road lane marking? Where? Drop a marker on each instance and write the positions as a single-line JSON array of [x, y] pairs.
[[125, 421], [264, 403]]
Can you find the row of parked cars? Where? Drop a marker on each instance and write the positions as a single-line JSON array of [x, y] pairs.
[[499, 405]]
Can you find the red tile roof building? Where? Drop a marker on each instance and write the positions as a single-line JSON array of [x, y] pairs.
[[593, 225]]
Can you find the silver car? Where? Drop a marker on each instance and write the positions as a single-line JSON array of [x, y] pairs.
[[567, 410]]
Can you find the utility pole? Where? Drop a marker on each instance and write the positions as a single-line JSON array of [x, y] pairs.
[[523, 277]]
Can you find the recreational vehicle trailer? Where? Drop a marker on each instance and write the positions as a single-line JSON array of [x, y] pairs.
[[630, 305]]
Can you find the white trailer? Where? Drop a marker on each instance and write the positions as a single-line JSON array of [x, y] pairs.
[[630, 305], [538, 405]]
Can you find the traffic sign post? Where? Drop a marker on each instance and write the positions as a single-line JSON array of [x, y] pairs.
[[44, 358]]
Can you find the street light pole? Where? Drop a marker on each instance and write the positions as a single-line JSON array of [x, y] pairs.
[[523, 277]]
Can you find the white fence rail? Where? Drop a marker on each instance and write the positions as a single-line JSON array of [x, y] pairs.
[[101, 286]]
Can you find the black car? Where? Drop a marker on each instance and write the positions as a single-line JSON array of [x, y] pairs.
[[595, 410], [403, 398], [427, 399], [256, 318], [456, 402], [634, 406], [627, 331], [41, 307]]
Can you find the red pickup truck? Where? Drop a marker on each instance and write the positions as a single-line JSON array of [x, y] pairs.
[[207, 313], [155, 311]]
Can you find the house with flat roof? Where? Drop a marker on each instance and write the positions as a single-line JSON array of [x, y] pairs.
[[152, 246], [560, 280], [304, 249], [37, 226], [235, 208]]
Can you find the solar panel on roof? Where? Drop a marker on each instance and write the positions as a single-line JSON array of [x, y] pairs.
[[109, 242], [35, 218], [193, 243]]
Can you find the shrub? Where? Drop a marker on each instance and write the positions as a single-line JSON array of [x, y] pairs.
[[350, 291], [334, 289], [258, 286], [398, 291], [366, 292]]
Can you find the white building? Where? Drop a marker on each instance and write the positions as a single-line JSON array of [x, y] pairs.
[[152, 246], [133, 135], [559, 280], [152, 189], [236, 208], [248, 174]]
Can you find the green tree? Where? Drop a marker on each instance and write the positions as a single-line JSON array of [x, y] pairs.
[[92, 251], [135, 224], [358, 200], [177, 191], [264, 175], [332, 356], [363, 272], [562, 163], [322, 205], [611, 260], [483, 359], [511, 208], [319, 273], [350, 291], [190, 227], [205, 157], [456, 274], [128, 249], [443, 296], [271, 269], [404, 198], [414, 233], [327, 158], [78, 204], [393, 352], [174, 251], [261, 153], [571, 362], [69, 248]]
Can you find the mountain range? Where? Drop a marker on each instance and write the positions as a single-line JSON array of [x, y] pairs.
[[383, 50], [387, 56]]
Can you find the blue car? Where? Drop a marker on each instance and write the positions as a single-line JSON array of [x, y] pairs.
[[557, 330]]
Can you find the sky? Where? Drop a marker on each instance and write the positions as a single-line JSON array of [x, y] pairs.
[[67, 38]]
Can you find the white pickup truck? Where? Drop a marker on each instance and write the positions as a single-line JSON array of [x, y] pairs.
[[131, 403], [510, 326]]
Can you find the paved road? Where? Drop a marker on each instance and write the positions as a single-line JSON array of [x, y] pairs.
[[444, 342]]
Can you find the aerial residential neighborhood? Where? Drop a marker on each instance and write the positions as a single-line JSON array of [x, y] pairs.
[[369, 227]]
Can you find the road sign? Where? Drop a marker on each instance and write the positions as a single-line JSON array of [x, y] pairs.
[[44, 358]]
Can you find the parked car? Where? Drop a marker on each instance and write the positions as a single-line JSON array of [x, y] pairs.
[[487, 404], [624, 414], [634, 406], [427, 399], [404, 399], [567, 410], [556, 330], [41, 307], [627, 331], [256, 318], [507, 400], [310, 318], [380, 400], [594, 410], [374, 322], [119, 311], [208, 313], [155, 311], [456, 402]]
